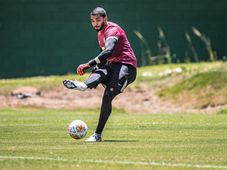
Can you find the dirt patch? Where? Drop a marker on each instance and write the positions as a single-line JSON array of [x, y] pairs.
[[142, 100]]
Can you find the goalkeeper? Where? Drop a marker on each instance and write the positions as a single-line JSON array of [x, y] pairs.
[[114, 67]]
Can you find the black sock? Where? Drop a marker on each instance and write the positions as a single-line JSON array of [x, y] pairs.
[[106, 108]]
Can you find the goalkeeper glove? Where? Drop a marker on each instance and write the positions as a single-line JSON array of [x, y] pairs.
[[81, 68]]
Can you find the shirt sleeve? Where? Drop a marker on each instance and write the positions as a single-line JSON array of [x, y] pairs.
[[112, 33]]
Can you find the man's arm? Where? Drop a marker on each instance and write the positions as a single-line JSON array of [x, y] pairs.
[[109, 46], [101, 58]]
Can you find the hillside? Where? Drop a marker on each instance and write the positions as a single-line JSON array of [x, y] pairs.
[[175, 88], [202, 90]]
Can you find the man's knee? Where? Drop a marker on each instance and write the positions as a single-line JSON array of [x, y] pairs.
[[98, 76], [93, 80], [110, 93]]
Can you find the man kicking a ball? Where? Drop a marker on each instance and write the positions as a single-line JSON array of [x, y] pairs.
[[114, 67]]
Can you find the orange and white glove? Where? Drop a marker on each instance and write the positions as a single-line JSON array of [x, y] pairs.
[[81, 68]]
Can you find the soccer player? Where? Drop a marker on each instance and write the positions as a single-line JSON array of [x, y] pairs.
[[114, 67]]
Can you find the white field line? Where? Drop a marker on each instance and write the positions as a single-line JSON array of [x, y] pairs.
[[163, 164]]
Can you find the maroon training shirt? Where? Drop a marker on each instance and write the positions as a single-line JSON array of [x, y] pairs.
[[122, 52]]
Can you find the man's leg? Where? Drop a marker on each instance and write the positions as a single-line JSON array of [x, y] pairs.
[[122, 75], [105, 112], [98, 76], [106, 108]]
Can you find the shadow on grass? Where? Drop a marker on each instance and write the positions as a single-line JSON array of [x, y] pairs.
[[120, 141]]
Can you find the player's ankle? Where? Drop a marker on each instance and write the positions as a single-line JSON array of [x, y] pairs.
[[98, 135]]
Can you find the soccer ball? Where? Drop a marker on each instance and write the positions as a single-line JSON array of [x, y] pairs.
[[77, 129]]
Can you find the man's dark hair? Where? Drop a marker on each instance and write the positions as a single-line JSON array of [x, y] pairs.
[[99, 11]]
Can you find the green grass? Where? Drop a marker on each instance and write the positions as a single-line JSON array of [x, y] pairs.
[[206, 89], [40, 82], [180, 138], [37, 138], [154, 72]]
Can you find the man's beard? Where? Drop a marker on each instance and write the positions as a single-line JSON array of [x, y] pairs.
[[100, 28]]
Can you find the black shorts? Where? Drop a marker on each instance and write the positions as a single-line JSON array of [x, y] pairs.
[[115, 75]]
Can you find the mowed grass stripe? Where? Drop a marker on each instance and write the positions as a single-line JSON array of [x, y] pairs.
[[165, 164], [178, 138]]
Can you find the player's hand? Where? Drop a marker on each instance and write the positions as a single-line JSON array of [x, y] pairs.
[[81, 68]]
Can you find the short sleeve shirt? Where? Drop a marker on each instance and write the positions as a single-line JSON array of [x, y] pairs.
[[122, 52]]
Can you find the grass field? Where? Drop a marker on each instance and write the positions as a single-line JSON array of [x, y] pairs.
[[154, 73], [38, 139]]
